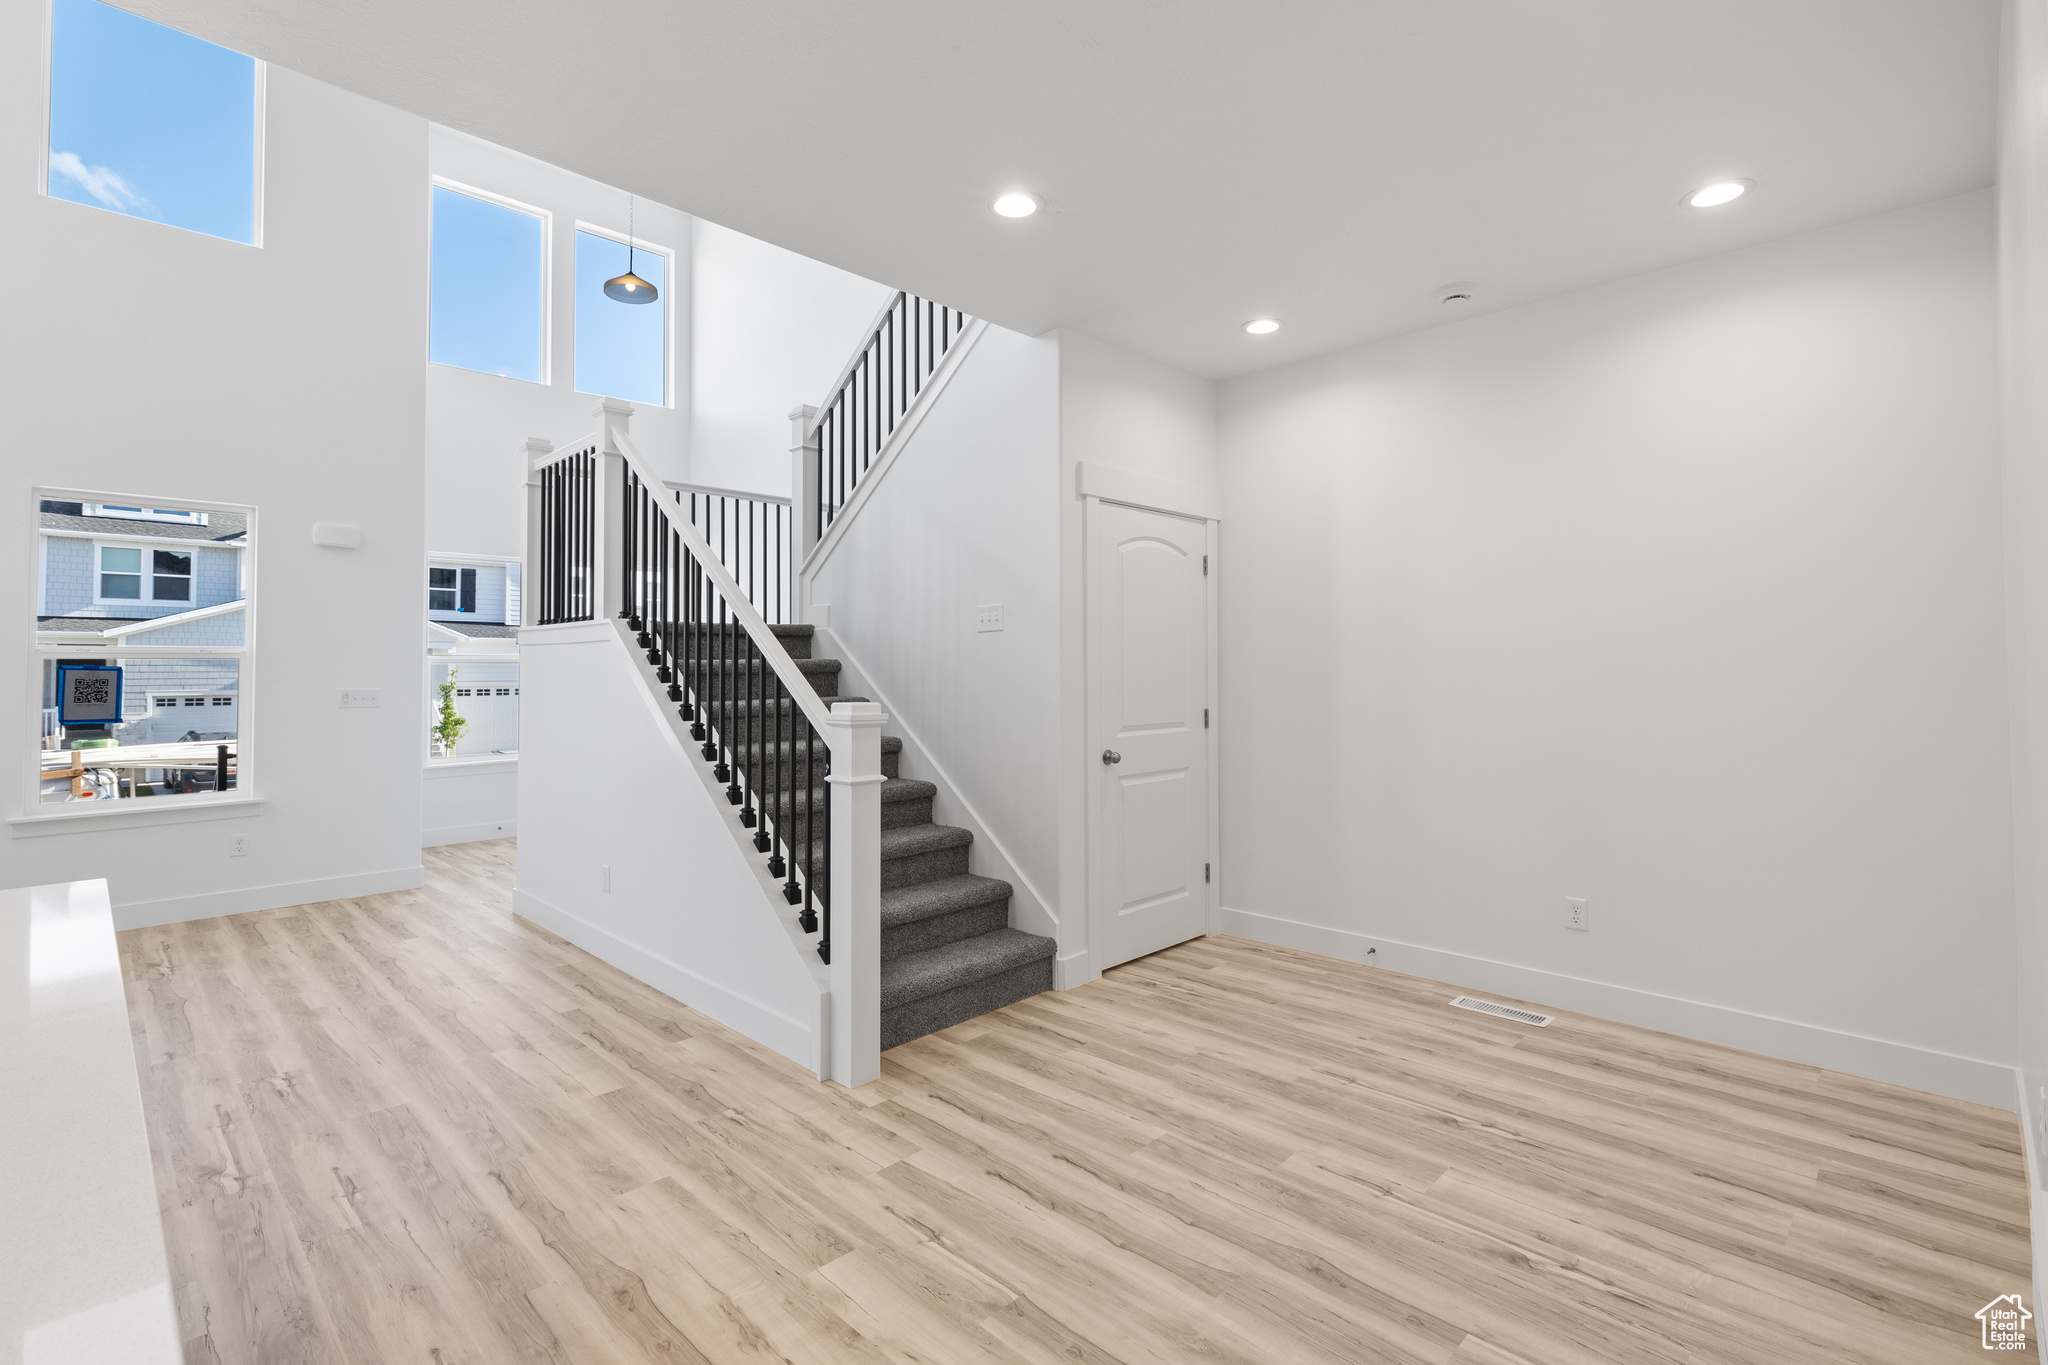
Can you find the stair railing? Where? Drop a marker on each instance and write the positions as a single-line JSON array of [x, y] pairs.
[[752, 536], [804, 776], [840, 439], [566, 522]]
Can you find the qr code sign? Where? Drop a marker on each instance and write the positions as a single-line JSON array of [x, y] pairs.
[[92, 696]]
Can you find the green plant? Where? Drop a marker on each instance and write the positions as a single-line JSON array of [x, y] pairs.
[[448, 728]]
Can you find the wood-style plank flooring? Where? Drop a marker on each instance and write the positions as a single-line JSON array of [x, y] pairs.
[[411, 1128]]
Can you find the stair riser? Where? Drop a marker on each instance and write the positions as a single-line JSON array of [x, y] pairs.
[[724, 681], [892, 762], [901, 814], [924, 867], [962, 1003], [895, 814], [940, 930], [718, 643]]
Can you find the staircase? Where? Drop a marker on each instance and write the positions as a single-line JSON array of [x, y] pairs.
[[948, 951]]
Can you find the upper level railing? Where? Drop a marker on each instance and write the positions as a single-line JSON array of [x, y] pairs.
[[753, 538], [568, 517], [903, 347]]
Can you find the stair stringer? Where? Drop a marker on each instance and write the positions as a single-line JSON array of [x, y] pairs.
[[692, 910], [1030, 909]]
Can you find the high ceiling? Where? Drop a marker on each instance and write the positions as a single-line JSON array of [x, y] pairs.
[[1329, 162]]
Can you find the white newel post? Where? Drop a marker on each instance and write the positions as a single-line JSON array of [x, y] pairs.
[[803, 504], [855, 737], [614, 418], [539, 450]]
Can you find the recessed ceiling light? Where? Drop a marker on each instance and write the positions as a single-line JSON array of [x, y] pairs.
[[1017, 205], [1258, 327], [1719, 193], [1455, 294]]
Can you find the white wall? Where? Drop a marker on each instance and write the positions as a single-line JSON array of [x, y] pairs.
[[968, 514], [690, 910], [2023, 268], [1133, 413], [1680, 594], [477, 424], [772, 330], [141, 359]]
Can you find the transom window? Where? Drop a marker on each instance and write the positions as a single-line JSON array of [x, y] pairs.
[[621, 348], [152, 123], [123, 578], [487, 294]]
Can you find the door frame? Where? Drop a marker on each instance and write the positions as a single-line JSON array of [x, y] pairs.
[[1098, 484]]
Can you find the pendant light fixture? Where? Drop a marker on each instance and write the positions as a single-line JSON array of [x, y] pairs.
[[630, 288]]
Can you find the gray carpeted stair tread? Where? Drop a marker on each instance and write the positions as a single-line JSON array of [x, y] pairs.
[[912, 978], [903, 905], [914, 839]]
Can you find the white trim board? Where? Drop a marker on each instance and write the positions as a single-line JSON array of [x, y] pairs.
[[1093, 479], [1942, 1073], [469, 834], [2037, 1199], [212, 904], [792, 1038]]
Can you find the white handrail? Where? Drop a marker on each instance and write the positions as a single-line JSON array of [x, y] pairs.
[[800, 689], [715, 492]]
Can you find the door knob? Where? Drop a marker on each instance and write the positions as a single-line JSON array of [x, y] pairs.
[[1110, 756]]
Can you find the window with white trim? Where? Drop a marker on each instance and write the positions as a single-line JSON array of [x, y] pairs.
[[144, 573], [125, 719], [170, 514]]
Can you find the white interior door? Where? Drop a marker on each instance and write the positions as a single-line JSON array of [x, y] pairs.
[[1148, 701]]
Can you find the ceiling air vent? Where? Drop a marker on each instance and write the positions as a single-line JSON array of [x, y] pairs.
[[1466, 1002]]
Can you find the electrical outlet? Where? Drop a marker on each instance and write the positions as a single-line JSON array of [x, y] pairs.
[[238, 845], [353, 698], [1576, 915], [988, 616], [604, 876]]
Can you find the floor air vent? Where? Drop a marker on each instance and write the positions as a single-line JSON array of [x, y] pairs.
[[1466, 1002]]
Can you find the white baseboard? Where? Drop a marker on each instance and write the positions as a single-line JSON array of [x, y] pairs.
[[1942, 1073], [469, 834], [793, 1038], [2037, 1199], [1073, 969], [211, 904]]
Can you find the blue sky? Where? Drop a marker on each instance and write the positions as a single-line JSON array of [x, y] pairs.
[[151, 122], [621, 348], [488, 282]]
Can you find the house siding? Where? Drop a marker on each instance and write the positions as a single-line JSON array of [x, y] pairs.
[[69, 588], [214, 630]]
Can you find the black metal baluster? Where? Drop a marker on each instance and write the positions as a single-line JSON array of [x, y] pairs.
[[825, 890], [776, 866]]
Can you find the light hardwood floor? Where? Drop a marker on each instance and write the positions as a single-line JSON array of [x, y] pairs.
[[411, 1128]]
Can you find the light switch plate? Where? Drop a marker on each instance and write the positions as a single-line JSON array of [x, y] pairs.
[[358, 697], [988, 616]]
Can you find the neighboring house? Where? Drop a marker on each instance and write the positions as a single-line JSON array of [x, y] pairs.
[[473, 628], [460, 590], [148, 576]]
